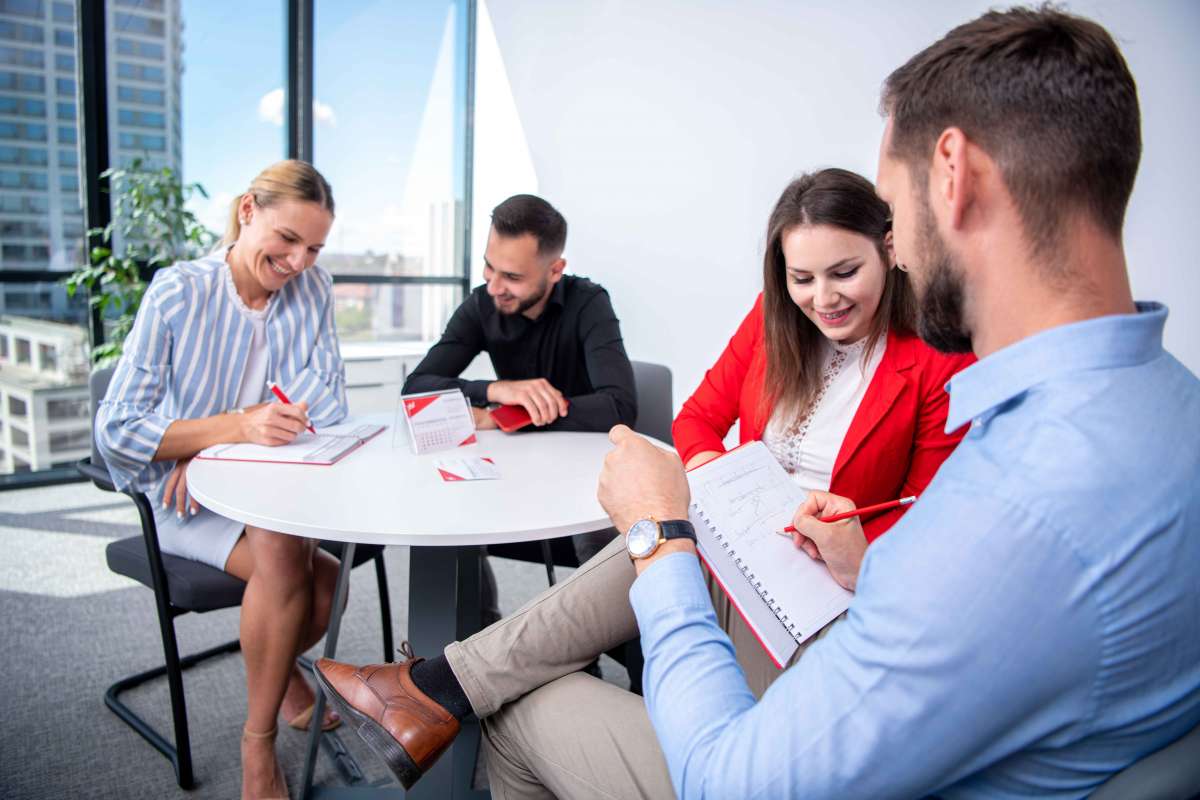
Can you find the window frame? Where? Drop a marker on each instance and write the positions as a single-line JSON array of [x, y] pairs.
[[92, 111]]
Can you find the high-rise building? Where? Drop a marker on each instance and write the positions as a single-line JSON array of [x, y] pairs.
[[44, 415], [41, 215]]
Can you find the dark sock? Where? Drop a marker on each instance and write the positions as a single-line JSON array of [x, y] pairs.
[[434, 677]]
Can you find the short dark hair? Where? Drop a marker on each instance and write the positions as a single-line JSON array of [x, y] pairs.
[[1046, 94], [527, 213]]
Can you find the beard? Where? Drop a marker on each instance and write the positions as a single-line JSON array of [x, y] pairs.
[[940, 322], [526, 303]]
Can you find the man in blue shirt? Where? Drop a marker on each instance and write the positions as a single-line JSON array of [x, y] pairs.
[[1029, 628]]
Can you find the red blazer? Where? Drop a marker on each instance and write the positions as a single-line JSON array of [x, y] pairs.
[[894, 445]]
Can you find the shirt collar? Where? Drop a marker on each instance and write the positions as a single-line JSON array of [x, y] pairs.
[[558, 295], [1104, 342]]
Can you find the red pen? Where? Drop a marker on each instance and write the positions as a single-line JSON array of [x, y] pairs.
[[903, 501], [283, 398]]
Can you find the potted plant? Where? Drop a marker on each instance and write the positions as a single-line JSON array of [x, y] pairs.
[[151, 227]]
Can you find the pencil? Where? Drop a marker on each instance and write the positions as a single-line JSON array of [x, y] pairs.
[[890, 504]]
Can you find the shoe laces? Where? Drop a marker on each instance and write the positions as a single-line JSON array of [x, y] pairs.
[[406, 650]]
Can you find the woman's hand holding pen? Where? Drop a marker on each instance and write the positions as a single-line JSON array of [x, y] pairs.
[[273, 424], [841, 545]]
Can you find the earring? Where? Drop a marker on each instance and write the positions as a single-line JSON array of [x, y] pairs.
[[244, 221]]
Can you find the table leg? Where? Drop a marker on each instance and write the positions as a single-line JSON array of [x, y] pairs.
[[444, 606], [331, 637]]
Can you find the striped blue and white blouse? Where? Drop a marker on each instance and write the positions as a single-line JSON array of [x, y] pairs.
[[187, 352]]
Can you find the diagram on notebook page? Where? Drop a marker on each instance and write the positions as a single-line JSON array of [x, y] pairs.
[[743, 498], [747, 501]]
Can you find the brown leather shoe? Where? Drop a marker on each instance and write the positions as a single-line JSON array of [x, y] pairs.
[[405, 727]]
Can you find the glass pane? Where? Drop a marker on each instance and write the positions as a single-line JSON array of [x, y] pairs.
[[43, 333], [390, 89], [43, 354], [44, 413], [395, 312], [145, 62], [232, 115]]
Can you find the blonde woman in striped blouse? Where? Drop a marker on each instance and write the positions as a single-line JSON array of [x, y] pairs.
[[209, 336]]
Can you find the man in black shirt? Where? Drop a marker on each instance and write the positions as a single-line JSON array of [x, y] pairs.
[[553, 339]]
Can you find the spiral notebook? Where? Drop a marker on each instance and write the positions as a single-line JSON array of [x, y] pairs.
[[739, 501]]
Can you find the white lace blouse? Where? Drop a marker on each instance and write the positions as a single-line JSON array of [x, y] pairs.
[[807, 447]]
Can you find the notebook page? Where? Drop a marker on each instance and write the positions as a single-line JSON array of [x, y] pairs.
[[306, 448], [776, 639], [746, 497]]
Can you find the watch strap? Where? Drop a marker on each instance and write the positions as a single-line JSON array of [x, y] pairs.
[[677, 529]]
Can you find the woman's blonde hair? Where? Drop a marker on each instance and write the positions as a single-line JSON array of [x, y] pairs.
[[283, 180]]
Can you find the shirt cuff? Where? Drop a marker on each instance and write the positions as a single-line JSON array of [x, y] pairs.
[[476, 392], [671, 582]]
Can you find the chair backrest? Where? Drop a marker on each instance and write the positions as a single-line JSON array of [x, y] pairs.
[[653, 382], [1172, 773], [97, 388]]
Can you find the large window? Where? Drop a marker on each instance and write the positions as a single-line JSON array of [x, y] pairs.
[[41, 224], [71, 408], [389, 105], [21, 82], [20, 32], [223, 102], [383, 116]]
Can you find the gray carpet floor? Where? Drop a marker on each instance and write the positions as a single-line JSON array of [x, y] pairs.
[[70, 628]]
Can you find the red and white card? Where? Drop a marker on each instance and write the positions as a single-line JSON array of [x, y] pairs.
[[468, 468], [438, 420]]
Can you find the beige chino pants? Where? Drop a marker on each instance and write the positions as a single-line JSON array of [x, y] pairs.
[[552, 731]]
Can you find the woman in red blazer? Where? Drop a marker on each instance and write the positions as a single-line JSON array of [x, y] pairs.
[[826, 368]]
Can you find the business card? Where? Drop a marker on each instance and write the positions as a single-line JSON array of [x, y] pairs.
[[471, 468]]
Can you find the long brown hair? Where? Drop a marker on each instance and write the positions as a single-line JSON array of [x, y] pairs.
[[841, 199]]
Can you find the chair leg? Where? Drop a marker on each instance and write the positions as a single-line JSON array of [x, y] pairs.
[[549, 559], [183, 742], [179, 754], [385, 609]]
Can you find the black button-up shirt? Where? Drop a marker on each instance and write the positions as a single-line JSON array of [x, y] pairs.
[[575, 345]]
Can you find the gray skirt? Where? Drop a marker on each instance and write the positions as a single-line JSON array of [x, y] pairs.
[[206, 537]]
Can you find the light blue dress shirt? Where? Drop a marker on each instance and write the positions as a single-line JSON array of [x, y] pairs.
[[1030, 627]]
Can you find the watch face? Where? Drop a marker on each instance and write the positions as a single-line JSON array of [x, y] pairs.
[[642, 538]]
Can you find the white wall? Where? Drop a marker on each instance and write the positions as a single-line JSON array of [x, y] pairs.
[[664, 131], [503, 163]]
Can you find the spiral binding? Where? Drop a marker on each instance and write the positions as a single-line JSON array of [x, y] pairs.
[[776, 609]]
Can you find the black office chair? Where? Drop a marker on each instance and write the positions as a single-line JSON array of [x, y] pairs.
[[1172, 773], [181, 585], [653, 387]]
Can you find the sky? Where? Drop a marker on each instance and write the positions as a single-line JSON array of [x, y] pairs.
[[374, 64]]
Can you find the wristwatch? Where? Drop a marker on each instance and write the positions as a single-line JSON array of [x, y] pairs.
[[645, 535]]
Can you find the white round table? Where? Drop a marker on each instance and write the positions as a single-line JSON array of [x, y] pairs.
[[384, 494]]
